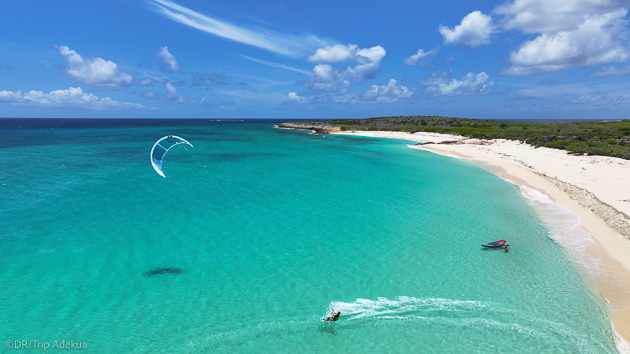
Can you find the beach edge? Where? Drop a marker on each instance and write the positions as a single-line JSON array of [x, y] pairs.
[[608, 229]]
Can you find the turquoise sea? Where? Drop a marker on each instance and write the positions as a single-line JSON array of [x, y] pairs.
[[264, 230]]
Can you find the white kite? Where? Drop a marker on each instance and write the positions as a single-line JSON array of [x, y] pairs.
[[161, 147]]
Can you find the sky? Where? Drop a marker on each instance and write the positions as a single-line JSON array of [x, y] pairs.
[[514, 59]]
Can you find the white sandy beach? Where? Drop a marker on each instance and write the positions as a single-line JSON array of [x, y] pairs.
[[595, 188]]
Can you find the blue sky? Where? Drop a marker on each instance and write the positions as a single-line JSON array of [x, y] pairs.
[[324, 59]]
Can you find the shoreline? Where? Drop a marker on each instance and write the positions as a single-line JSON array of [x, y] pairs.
[[588, 186]]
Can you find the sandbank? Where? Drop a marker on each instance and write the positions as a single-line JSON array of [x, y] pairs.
[[595, 188]]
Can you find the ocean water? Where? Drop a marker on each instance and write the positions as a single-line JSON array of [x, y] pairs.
[[267, 230]]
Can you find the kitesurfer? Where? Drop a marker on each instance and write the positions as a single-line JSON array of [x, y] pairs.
[[334, 316], [506, 248]]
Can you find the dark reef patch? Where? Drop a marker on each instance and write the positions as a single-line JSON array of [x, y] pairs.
[[163, 271]]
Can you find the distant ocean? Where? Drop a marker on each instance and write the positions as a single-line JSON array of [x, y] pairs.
[[257, 232]]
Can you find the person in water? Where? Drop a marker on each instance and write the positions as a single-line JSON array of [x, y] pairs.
[[334, 316], [506, 248]]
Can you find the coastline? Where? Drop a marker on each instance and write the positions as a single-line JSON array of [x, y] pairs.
[[588, 186]]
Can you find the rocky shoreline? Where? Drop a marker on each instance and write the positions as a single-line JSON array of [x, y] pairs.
[[316, 128]]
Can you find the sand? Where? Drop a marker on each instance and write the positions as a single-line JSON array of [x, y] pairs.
[[595, 188]]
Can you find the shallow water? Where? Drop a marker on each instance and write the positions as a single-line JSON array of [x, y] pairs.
[[270, 229]]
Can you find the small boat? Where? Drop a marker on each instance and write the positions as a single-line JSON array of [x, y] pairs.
[[495, 244]]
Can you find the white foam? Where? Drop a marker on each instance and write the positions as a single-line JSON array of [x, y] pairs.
[[622, 345], [460, 313], [399, 307], [565, 229]]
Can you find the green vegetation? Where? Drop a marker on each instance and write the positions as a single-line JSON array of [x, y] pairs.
[[611, 138]]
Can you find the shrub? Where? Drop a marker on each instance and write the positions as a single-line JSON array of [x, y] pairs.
[[559, 144], [597, 151]]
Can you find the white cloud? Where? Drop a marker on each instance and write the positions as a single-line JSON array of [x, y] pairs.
[[168, 58], [474, 30], [328, 83], [333, 53], [325, 86], [93, 71], [373, 54], [277, 65], [369, 63], [596, 40], [323, 71], [281, 43], [365, 71], [294, 97], [548, 16], [611, 71], [73, 97], [367, 60], [617, 99], [170, 89], [471, 84], [590, 99], [351, 52], [169, 95], [10, 96], [147, 81], [326, 79], [387, 93], [570, 33], [417, 59]]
